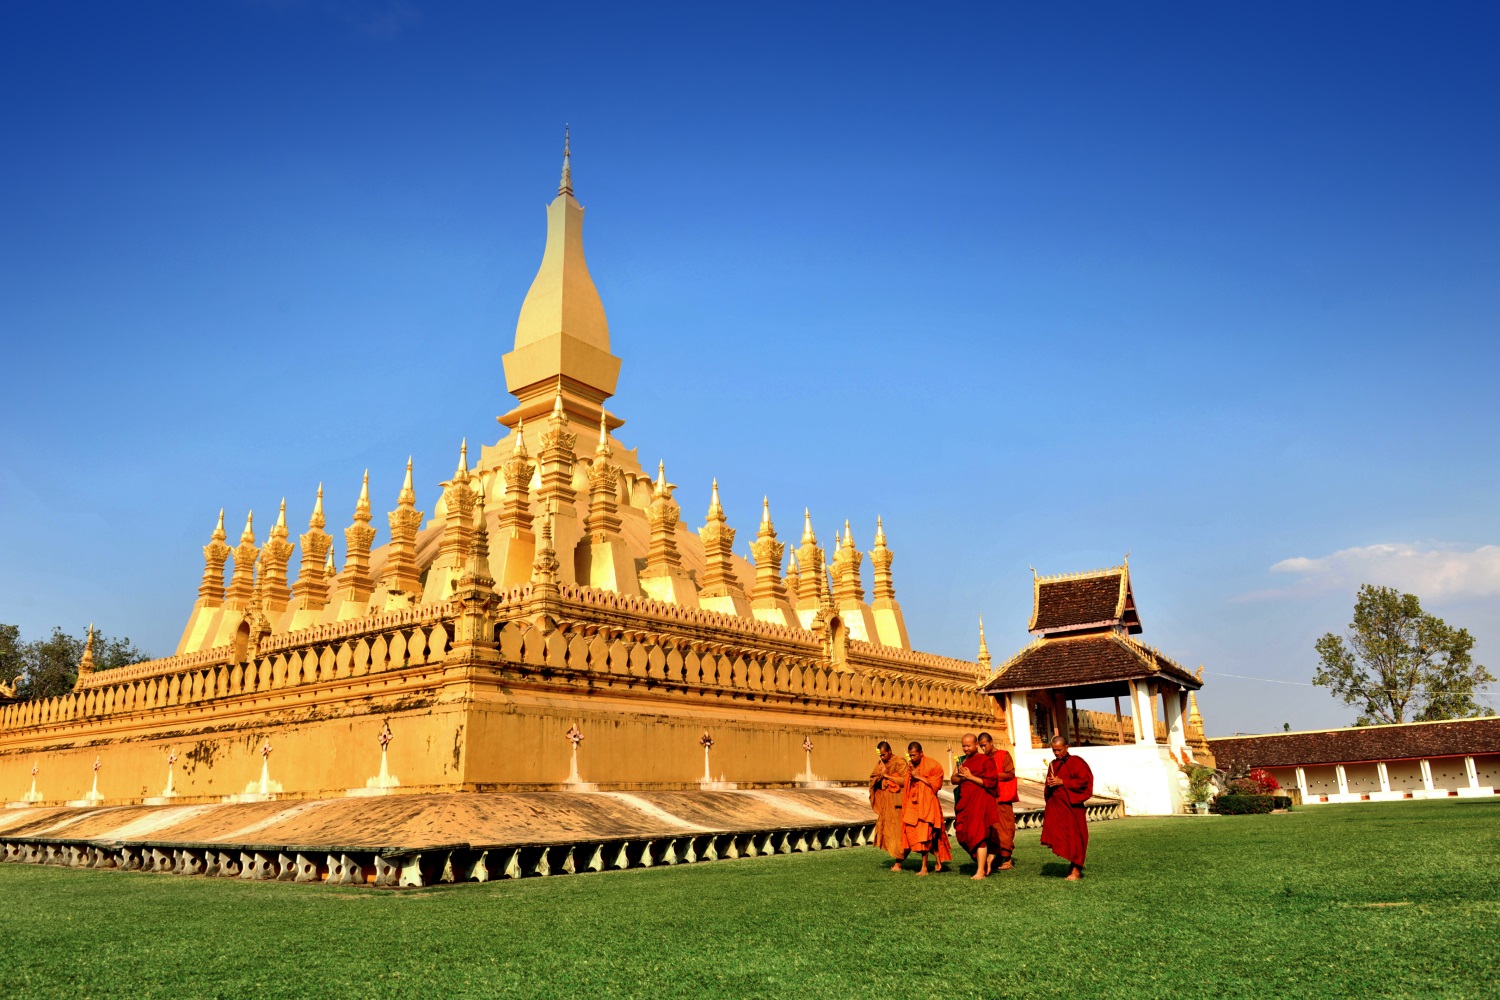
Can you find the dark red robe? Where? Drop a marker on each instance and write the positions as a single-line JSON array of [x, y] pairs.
[[1065, 827], [975, 813]]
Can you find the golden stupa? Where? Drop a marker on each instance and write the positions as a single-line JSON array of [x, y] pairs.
[[555, 589]]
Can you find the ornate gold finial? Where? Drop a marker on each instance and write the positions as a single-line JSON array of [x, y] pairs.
[[518, 449], [715, 509], [603, 450], [662, 514], [408, 496], [317, 520], [215, 554], [355, 583], [808, 538], [770, 591], [329, 568], [274, 558], [401, 575], [566, 185], [984, 647], [765, 515], [880, 564], [544, 568], [462, 472], [242, 583], [310, 592]]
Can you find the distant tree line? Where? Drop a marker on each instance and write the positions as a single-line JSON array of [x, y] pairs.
[[49, 667]]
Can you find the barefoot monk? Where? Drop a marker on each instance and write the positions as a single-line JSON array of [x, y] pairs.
[[887, 785], [974, 784], [921, 812], [1065, 826]]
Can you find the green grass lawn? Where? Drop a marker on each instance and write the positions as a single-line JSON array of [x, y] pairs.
[[1399, 899]]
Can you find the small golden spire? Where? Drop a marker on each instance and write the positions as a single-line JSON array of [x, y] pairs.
[[218, 534], [566, 185], [408, 496], [879, 531], [248, 535], [462, 472], [661, 476], [603, 450], [362, 506], [328, 565], [848, 535], [984, 648], [317, 520], [518, 450], [715, 510], [765, 512], [808, 538], [280, 519]]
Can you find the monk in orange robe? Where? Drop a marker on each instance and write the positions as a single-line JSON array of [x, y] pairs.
[[921, 812], [1065, 826], [1003, 842], [974, 783], [887, 786]]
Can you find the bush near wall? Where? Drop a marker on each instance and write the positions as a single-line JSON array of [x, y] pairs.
[[1244, 805]]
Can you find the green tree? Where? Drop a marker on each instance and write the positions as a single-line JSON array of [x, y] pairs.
[[49, 667], [1399, 663]]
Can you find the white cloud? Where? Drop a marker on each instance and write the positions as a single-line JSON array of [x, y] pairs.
[[1434, 572]]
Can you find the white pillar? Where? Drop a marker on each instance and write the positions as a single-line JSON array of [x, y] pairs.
[[1427, 774], [1176, 735], [1020, 722], [1385, 777], [1302, 782], [1144, 712], [1343, 780], [1473, 772]]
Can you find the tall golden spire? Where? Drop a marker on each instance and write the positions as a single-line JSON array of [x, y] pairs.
[[86, 662], [603, 521], [242, 583], [401, 575], [459, 499], [812, 585], [215, 553], [562, 335], [848, 589], [515, 510], [355, 582], [310, 592], [889, 621], [274, 558], [769, 596], [719, 578], [880, 562]]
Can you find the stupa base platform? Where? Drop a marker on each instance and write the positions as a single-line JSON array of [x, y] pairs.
[[418, 840]]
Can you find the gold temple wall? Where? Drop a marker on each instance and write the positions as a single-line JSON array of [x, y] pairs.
[[641, 696]]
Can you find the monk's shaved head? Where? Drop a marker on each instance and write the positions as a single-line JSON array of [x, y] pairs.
[[1058, 741], [914, 747], [968, 742], [882, 745]]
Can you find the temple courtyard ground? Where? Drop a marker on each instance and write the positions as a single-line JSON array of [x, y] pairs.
[[1399, 899]]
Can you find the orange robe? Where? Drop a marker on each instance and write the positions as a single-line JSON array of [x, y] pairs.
[[921, 812], [885, 798]]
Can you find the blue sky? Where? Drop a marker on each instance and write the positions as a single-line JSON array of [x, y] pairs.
[[1038, 284]]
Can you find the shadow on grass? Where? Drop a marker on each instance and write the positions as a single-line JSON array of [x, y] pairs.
[[1056, 869]]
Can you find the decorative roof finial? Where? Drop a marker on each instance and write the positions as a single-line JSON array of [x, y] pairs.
[[603, 450], [765, 511], [566, 186], [519, 449], [248, 535], [408, 496], [715, 509], [362, 505], [879, 531], [462, 472], [808, 538], [218, 534], [281, 517], [317, 520]]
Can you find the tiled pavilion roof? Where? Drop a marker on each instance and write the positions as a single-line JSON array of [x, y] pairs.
[[1088, 659]]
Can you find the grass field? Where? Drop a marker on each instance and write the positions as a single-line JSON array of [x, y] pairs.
[[1399, 899]]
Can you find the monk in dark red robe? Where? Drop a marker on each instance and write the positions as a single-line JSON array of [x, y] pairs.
[[921, 811], [887, 789], [1065, 826], [1003, 838], [974, 784]]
